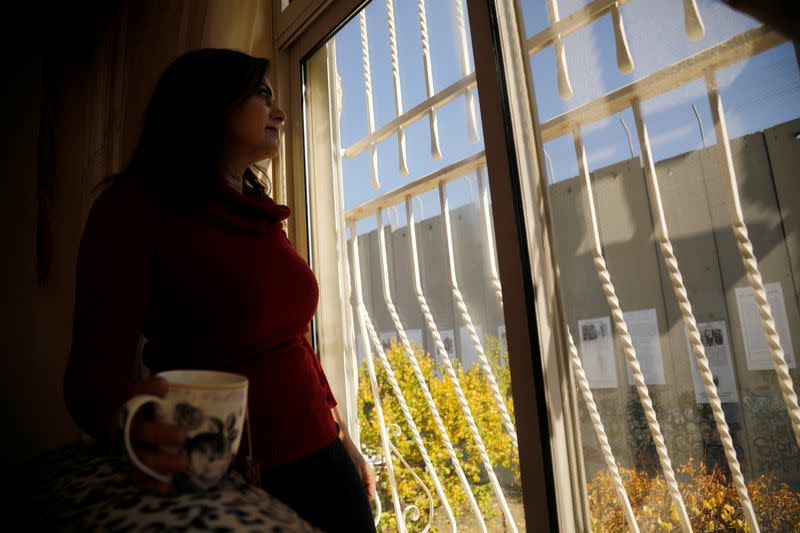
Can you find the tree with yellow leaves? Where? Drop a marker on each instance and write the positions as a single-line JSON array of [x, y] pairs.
[[487, 417]]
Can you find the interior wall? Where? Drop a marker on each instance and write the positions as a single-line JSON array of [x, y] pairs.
[[19, 116], [89, 70]]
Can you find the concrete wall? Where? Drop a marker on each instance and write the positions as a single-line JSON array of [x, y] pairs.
[[695, 203], [696, 210], [472, 271]]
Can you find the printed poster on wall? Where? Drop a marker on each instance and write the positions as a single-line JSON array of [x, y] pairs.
[[469, 355], [415, 337], [597, 352], [359, 350], [387, 337], [449, 341], [755, 341], [643, 329], [714, 336]]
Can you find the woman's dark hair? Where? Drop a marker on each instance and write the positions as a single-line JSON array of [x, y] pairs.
[[185, 125]]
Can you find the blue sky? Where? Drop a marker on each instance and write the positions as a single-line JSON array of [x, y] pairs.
[[757, 93]]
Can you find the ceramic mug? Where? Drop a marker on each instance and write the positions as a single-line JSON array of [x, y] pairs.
[[210, 406]]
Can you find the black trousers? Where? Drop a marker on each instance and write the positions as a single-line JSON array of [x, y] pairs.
[[325, 489]]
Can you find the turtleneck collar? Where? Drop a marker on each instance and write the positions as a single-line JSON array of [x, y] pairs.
[[245, 212]]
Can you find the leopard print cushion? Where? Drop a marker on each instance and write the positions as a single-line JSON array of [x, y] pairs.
[[77, 488]]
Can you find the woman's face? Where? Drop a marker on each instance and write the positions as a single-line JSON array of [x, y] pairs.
[[254, 126]]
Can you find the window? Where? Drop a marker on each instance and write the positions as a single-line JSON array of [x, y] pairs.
[[622, 202], [656, 120], [429, 384]]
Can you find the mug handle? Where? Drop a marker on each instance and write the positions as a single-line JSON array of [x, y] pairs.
[[131, 406]]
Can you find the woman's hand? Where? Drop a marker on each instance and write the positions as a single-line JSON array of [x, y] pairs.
[[365, 469], [149, 438]]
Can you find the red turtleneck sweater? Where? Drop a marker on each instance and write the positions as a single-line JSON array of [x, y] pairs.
[[220, 287]]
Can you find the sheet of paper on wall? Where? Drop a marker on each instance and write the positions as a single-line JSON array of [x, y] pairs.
[[415, 337], [643, 329], [597, 352], [469, 354], [449, 341], [755, 341], [714, 336], [359, 350], [387, 337]]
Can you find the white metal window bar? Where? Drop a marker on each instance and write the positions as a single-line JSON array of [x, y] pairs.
[[451, 373], [365, 326], [600, 433], [486, 216], [412, 115], [671, 262], [587, 14], [458, 298], [693, 24], [564, 85], [624, 58], [621, 328], [733, 50], [412, 509], [384, 263], [398, 93], [436, 151], [362, 21], [749, 257], [390, 372], [368, 329], [463, 55]]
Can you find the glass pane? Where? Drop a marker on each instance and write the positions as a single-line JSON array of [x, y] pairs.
[[426, 304], [626, 279]]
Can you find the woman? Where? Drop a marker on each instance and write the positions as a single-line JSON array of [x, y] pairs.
[[186, 248]]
